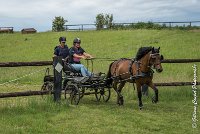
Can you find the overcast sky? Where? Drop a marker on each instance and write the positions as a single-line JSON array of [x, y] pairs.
[[40, 13]]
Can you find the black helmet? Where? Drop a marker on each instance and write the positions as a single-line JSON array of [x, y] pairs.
[[62, 39], [77, 40]]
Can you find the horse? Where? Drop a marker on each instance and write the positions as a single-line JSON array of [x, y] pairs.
[[137, 70]]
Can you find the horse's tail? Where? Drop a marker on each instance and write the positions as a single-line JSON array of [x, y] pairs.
[[109, 78]]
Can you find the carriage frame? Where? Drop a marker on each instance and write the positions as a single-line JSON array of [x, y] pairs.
[[75, 86]]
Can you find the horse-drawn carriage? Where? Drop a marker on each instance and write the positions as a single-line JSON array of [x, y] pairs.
[[75, 86], [138, 71]]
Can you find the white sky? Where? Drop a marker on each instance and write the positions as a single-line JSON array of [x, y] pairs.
[[40, 13]]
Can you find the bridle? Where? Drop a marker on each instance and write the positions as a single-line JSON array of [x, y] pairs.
[[152, 56]]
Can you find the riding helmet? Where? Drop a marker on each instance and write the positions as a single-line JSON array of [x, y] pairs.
[[62, 39], [77, 40]]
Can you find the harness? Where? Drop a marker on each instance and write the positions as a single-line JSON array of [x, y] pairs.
[[118, 64], [138, 74]]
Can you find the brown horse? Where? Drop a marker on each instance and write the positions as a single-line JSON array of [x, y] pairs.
[[137, 71]]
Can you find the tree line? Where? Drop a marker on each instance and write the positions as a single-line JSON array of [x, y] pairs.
[[106, 21]]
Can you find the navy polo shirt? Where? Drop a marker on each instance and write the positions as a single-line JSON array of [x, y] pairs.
[[59, 51]]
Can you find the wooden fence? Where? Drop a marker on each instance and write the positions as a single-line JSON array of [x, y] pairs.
[[45, 63], [82, 27], [45, 92]]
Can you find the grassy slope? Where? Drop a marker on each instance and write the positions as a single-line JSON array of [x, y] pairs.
[[112, 44], [32, 114]]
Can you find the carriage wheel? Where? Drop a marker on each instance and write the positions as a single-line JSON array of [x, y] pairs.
[[82, 91], [102, 93], [74, 94], [47, 86]]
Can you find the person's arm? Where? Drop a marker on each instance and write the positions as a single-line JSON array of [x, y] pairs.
[[55, 51], [79, 56], [87, 55]]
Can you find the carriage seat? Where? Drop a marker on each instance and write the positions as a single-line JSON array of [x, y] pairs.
[[69, 68]]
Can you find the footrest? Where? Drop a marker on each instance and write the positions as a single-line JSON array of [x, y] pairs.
[[80, 79]]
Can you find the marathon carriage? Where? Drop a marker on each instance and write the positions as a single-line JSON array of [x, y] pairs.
[[75, 86]]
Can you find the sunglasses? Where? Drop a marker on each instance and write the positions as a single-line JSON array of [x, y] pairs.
[[62, 41]]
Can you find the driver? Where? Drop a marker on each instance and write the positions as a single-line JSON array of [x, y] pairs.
[[76, 53]]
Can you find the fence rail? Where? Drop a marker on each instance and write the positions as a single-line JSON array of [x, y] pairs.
[[45, 63], [82, 27], [46, 92], [24, 93]]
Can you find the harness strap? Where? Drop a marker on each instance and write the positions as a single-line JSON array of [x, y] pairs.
[[117, 65], [138, 74], [130, 69], [138, 67]]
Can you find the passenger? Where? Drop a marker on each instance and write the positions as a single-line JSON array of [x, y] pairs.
[[76, 53], [62, 49]]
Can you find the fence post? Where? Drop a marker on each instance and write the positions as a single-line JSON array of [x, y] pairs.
[[57, 65], [170, 25]]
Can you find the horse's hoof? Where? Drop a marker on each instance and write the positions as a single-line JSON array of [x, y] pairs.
[[141, 106], [119, 103], [154, 100], [121, 100]]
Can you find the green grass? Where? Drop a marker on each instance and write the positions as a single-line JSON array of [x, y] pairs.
[[173, 113], [40, 115]]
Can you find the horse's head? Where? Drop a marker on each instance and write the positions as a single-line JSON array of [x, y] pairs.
[[155, 59]]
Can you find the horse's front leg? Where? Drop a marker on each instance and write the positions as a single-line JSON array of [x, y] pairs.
[[139, 92], [154, 98]]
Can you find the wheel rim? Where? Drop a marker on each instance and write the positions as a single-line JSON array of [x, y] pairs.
[[102, 93], [75, 97], [43, 87], [82, 91], [47, 86], [74, 94]]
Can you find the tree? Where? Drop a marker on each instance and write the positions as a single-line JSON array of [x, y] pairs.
[[109, 21], [104, 20], [100, 21], [58, 24]]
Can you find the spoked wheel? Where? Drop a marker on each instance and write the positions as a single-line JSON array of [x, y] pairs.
[[82, 91], [74, 94], [47, 86], [102, 93]]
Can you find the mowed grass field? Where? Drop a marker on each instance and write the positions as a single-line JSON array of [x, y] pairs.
[[173, 113]]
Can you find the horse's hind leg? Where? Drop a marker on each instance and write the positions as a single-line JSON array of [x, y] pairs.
[[121, 98], [118, 89], [154, 98]]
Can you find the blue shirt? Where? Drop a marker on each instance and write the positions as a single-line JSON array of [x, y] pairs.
[[59, 51]]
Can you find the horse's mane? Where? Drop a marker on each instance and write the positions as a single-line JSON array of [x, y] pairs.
[[142, 51]]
